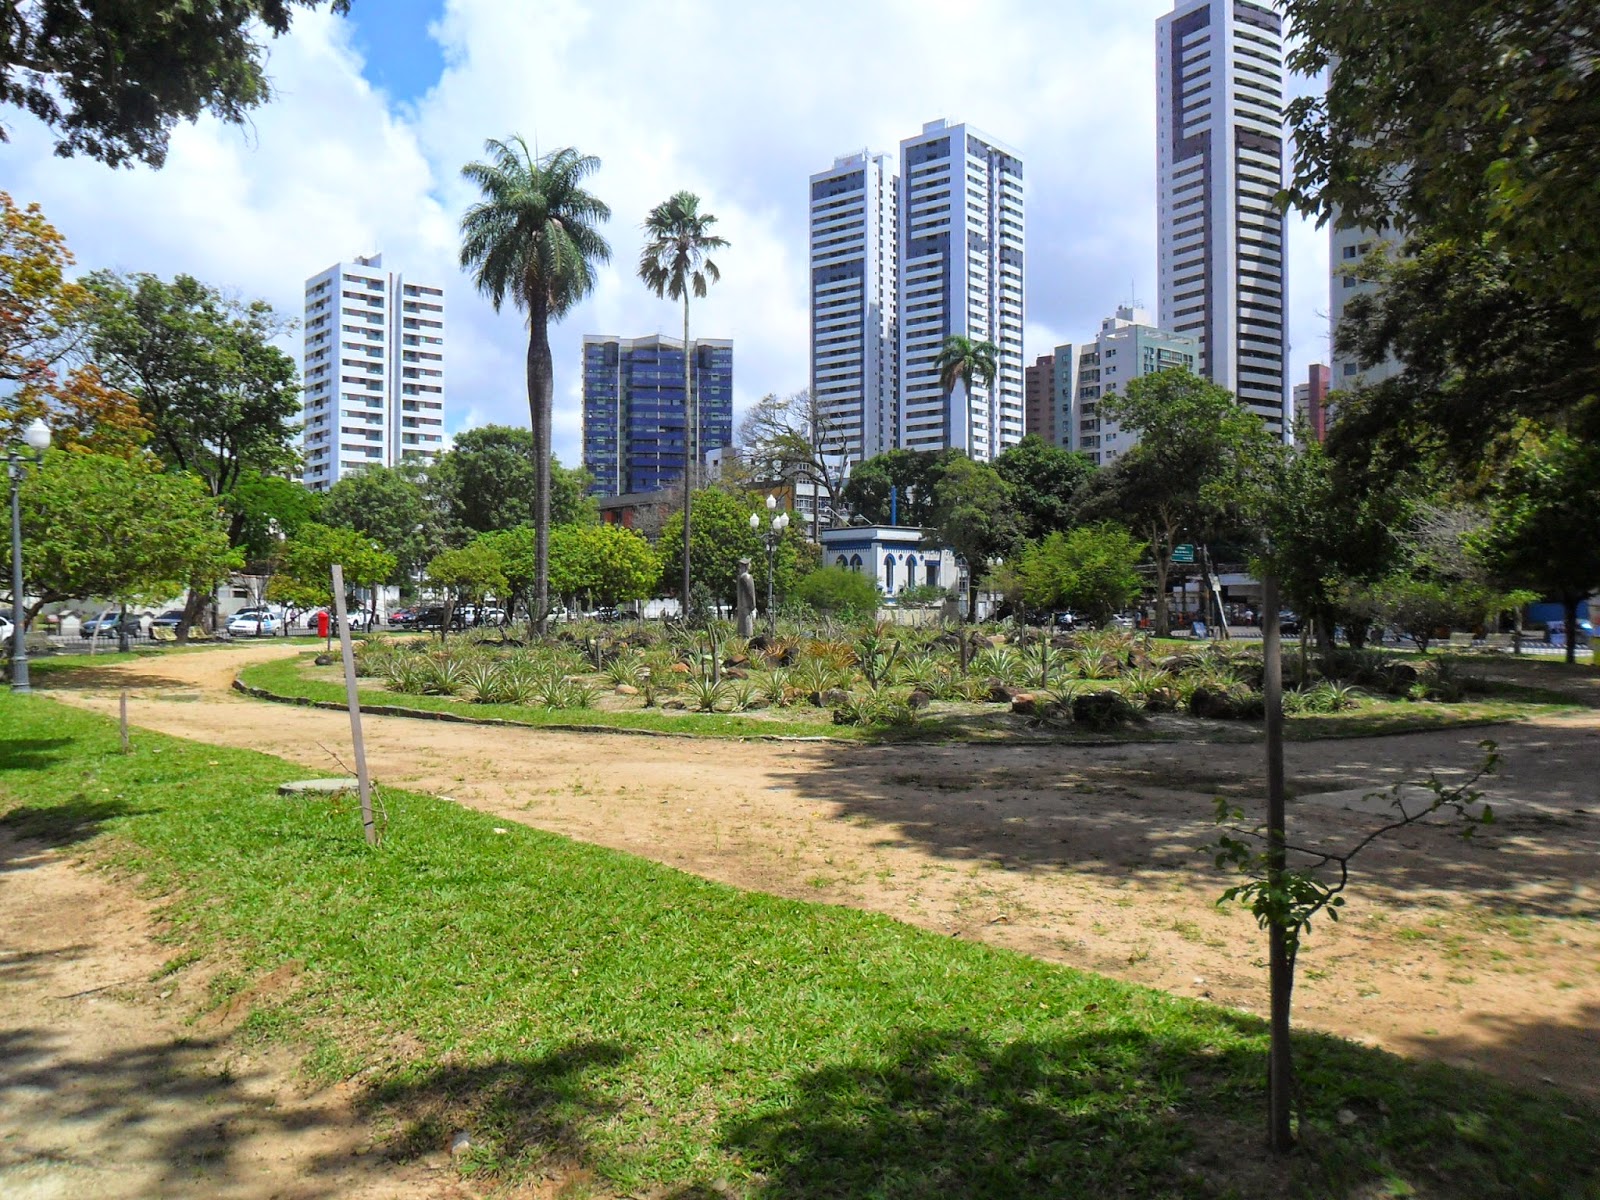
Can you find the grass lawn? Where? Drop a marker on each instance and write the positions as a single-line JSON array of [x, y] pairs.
[[297, 678], [572, 1006]]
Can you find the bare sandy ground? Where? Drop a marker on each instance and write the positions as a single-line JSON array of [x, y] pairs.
[[1481, 953]]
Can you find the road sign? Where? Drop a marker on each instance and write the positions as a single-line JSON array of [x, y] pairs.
[[1183, 553]]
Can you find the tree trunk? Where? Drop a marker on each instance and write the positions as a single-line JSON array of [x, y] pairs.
[[541, 397], [1162, 615], [122, 629], [1280, 965], [1569, 607], [192, 608], [691, 430]]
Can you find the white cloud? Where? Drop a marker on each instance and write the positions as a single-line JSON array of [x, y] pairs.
[[739, 103]]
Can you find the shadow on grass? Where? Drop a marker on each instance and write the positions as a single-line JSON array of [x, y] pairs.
[[32, 754], [1125, 1113], [519, 1112], [56, 825]]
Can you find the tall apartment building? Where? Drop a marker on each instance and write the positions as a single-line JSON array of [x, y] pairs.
[[634, 416], [373, 367], [960, 272], [1128, 345], [1311, 404], [1221, 263], [1347, 246], [1038, 398], [855, 217]]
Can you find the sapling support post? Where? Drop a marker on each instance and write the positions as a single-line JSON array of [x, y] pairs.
[[348, 654], [1280, 968], [123, 709]]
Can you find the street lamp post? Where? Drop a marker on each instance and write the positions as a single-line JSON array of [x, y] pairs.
[[37, 438], [776, 525]]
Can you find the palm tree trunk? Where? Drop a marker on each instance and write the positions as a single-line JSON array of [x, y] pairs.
[[541, 395], [690, 430]]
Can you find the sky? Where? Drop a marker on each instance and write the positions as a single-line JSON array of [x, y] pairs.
[[361, 149]]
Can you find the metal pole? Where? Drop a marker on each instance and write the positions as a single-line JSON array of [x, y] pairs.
[[352, 694], [1280, 1065], [19, 643], [772, 549]]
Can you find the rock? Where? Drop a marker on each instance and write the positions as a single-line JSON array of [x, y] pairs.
[[736, 673], [460, 1143], [1102, 711], [679, 668], [919, 699], [1346, 1117], [319, 787], [1000, 693], [834, 696], [674, 704], [627, 689], [736, 660], [324, 660], [1025, 704], [1212, 705]]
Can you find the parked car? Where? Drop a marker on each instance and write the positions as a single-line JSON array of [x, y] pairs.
[[1288, 623], [403, 618], [167, 620], [1123, 621], [105, 625], [7, 629], [254, 622], [433, 618], [491, 616]]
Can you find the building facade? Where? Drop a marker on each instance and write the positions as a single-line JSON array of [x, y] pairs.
[[1038, 398], [1128, 345], [896, 556], [855, 219], [960, 272], [373, 368], [1347, 246], [1311, 405], [1221, 263], [634, 416]]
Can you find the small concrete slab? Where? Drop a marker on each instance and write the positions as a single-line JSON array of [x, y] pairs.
[[319, 787]]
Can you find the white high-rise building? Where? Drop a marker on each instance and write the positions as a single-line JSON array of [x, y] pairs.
[[373, 369], [855, 216], [1220, 252], [1347, 246], [960, 272]]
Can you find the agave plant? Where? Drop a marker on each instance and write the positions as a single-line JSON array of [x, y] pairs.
[[816, 675], [409, 675], [743, 694], [624, 669], [839, 655], [877, 653], [776, 686], [999, 662], [705, 693], [925, 672]]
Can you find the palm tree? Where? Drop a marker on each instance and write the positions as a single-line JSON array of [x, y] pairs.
[[963, 360], [676, 260], [533, 237]]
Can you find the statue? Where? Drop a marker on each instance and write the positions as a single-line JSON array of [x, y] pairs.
[[745, 609]]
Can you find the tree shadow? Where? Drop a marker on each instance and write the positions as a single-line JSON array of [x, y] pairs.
[[533, 1111], [31, 754], [27, 828], [1120, 1112]]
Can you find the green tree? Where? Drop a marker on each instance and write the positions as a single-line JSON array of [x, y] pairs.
[[1481, 353], [392, 506], [111, 80], [220, 398], [839, 591], [722, 536], [974, 513], [1092, 570], [271, 508], [533, 238], [1541, 528], [1194, 474], [305, 567], [488, 480], [964, 361], [796, 438], [1045, 481], [606, 563], [908, 475], [675, 262], [1474, 120], [119, 527], [466, 575]]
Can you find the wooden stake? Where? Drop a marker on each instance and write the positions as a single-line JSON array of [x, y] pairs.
[[124, 708], [354, 698], [1280, 970]]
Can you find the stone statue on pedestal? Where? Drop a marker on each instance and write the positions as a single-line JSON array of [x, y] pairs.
[[744, 612]]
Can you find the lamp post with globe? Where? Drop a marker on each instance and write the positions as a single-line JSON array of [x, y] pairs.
[[35, 437], [778, 522]]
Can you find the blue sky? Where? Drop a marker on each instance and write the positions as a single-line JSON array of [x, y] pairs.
[[375, 114]]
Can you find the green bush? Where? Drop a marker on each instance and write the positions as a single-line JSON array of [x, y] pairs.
[[839, 591]]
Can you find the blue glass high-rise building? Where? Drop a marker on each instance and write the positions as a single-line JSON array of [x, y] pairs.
[[634, 417]]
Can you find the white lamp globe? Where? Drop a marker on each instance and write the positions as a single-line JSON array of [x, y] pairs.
[[755, 521], [772, 502], [37, 435]]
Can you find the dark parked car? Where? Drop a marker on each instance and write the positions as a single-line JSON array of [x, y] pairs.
[[433, 618], [1288, 623], [168, 619], [105, 625]]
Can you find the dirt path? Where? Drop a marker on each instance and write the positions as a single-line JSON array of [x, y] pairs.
[[107, 1091], [1480, 953]]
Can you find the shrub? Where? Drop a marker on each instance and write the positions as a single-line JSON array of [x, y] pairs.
[[839, 591]]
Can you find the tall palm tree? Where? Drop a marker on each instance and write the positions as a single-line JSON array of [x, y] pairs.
[[532, 237], [675, 261], [963, 360]]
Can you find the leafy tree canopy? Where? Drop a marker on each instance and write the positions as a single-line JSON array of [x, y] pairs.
[[1092, 571], [271, 507], [488, 481], [910, 472], [390, 505], [1474, 120], [720, 536], [220, 398], [469, 573], [111, 80], [1045, 481], [305, 568], [974, 513], [109, 525], [839, 591], [611, 564]]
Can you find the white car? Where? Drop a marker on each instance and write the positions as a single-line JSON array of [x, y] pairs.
[[254, 622], [6, 631]]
